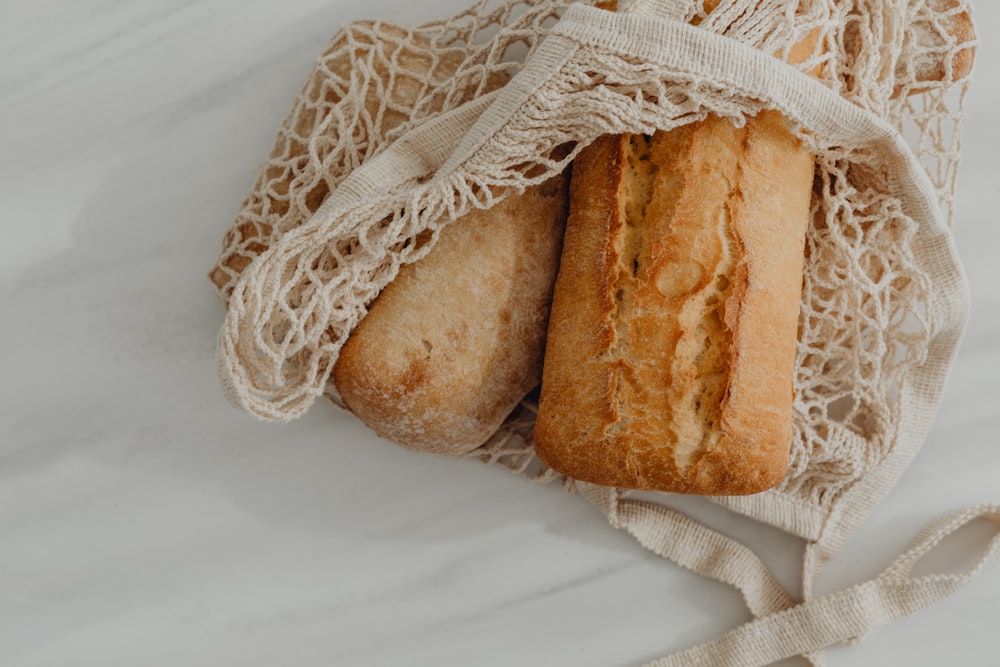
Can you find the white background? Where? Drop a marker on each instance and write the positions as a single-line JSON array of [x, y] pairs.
[[145, 522]]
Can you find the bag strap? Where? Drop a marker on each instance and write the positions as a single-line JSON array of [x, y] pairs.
[[849, 615], [693, 545], [781, 627]]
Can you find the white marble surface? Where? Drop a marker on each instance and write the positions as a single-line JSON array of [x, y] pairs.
[[145, 522]]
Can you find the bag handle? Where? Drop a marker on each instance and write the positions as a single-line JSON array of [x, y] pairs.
[[694, 546], [691, 544], [783, 628]]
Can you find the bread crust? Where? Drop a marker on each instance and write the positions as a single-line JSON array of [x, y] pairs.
[[456, 340], [672, 335], [938, 63]]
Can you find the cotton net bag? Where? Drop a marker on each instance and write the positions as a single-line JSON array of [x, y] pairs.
[[401, 130]]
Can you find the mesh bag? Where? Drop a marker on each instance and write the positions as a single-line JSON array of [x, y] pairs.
[[401, 130]]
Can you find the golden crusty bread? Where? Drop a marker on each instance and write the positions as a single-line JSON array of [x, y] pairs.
[[456, 340], [672, 335]]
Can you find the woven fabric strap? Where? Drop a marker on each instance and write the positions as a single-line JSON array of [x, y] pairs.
[[783, 628]]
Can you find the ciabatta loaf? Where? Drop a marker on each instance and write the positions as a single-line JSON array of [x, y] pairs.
[[673, 328], [456, 340]]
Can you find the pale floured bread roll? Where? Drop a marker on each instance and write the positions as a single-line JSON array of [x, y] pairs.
[[673, 328], [456, 340], [945, 48]]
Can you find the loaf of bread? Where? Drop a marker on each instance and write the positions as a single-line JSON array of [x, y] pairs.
[[672, 335], [456, 340]]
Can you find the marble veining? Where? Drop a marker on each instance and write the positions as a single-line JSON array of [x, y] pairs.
[[145, 522]]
